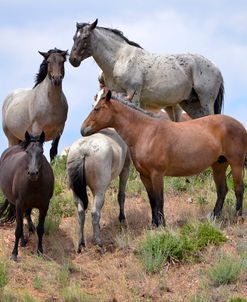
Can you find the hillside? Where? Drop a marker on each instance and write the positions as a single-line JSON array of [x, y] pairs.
[[134, 263]]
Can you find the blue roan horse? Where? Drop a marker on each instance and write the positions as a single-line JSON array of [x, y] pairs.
[[27, 181], [43, 108], [150, 80]]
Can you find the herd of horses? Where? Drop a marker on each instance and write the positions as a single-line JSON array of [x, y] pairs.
[[117, 131]]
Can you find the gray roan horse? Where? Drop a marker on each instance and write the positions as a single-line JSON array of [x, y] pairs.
[[94, 161], [43, 108], [150, 80], [27, 182]]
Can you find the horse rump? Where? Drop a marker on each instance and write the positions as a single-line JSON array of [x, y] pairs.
[[7, 212], [77, 180]]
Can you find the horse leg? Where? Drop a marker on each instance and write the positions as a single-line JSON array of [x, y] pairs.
[[219, 174], [81, 219], [18, 232], [31, 226], [54, 145], [174, 113], [154, 187], [97, 206], [40, 229], [123, 178], [237, 175]]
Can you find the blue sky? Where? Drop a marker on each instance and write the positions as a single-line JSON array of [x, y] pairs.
[[215, 29]]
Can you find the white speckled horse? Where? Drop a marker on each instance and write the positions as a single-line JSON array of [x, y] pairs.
[[94, 161], [43, 108], [150, 80]]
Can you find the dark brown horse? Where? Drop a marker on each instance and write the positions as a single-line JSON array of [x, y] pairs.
[[27, 181], [161, 147]]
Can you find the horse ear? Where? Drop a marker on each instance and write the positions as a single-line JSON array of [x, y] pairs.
[[44, 54], [27, 136], [65, 53], [93, 25], [78, 25], [42, 137], [108, 96]]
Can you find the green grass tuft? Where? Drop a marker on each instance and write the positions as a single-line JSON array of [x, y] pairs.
[[160, 247], [227, 270], [3, 274]]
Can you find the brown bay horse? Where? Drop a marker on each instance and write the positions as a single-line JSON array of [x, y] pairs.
[[27, 181], [160, 147]]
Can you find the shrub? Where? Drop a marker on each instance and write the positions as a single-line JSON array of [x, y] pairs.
[[159, 247], [227, 270]]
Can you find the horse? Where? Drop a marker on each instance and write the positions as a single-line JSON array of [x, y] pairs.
[[151, 81], [160, 147], [27, 181], [94, 161], [42, 108]]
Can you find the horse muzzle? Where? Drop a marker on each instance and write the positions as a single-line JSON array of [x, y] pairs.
[[74, 61], [86, 131], [33, 175]]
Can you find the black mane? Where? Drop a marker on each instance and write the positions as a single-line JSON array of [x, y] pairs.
[[120, 34], [133, 106], [115, 31], [40, 76]]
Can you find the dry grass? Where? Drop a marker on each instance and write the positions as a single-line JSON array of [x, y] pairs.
[[114, 272]]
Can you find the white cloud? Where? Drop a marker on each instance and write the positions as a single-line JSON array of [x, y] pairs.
[[219, 32]]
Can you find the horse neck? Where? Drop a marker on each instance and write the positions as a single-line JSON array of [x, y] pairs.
[[105, 45], [129, 123], [53, 92]]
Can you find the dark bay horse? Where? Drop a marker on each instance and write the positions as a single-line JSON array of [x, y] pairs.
[[27, 181], [42, 108], [152, 81], [161, 147]]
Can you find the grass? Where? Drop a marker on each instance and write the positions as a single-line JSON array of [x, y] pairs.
[[227, 270], [3, 274], [184, 244], [74, 294]]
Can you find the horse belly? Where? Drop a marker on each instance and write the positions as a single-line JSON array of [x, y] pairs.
[[165, 87]]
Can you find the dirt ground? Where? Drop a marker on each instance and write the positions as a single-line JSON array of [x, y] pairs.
[[114, 272]]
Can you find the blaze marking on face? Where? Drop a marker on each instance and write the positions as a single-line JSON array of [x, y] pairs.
[[78, 34], [99, 96]]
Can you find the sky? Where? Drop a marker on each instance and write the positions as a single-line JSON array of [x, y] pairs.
[[215, 29]]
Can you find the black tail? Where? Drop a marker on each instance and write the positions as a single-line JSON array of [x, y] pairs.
[[7, 212], [219, 102], [77, 181], [245, 162]]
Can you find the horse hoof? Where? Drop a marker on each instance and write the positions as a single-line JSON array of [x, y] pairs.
[[13, 257], [98, 242], [80, 247], [23, 242]]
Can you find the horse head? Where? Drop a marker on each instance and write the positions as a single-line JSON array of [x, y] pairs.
[[81, 48], [54, 61], [33, 146], [101, 115]]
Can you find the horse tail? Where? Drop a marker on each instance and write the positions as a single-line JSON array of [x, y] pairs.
[[219, 102], [7, 212], [77, 181]]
